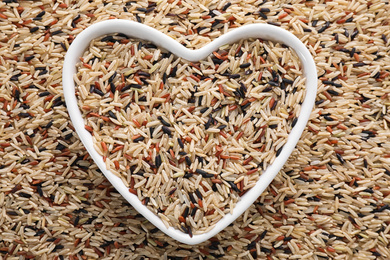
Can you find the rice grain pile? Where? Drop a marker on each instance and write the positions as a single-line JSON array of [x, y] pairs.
[[189, 138], [330, 201]]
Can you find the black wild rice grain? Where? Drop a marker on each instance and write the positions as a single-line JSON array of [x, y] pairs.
[[24, 195], [186, 211], [273, 23], [172, 191], [110, 79], [188, 161], [25, 115], [173, 72], [340, 158], [166, 130], [112, 115], [180, 143], [108, 38], [76, 221], [141, 9], [34, 29], [326, 26], [198, 194], [279, 151], [56, 32], [274, 105], [328, 118], [245, 65], [248, 72], [98, 91], [151, 9], [112, 88], [165, 123], [384, 38], [188, 175], [246, 105], [332, 92], [234, 76], [139, 139], [226, 6], [267, 89], [204, 174], [158, 160], [28, 58], [234, 186], [204, 110], [43, 94], [14, 78], [138, 18], [294, 122], [354, 34], [137, 86], [209, 121], [265, 10], [287, 81], [359, 64], [41, 14]]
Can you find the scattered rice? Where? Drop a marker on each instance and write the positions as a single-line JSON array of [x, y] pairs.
[[330, 201]]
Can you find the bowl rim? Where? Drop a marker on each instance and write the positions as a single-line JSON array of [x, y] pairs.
[[144, 32]]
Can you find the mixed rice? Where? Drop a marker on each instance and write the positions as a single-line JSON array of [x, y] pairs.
[[330, 201], [189, 138]]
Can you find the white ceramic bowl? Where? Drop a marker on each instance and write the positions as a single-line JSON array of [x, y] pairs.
[[137, 30]]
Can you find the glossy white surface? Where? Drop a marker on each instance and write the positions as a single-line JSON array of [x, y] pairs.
[[137, 30]]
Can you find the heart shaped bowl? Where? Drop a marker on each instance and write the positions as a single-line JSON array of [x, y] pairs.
[[143, 32]]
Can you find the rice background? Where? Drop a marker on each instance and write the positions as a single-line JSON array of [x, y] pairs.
[[330, 201]]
